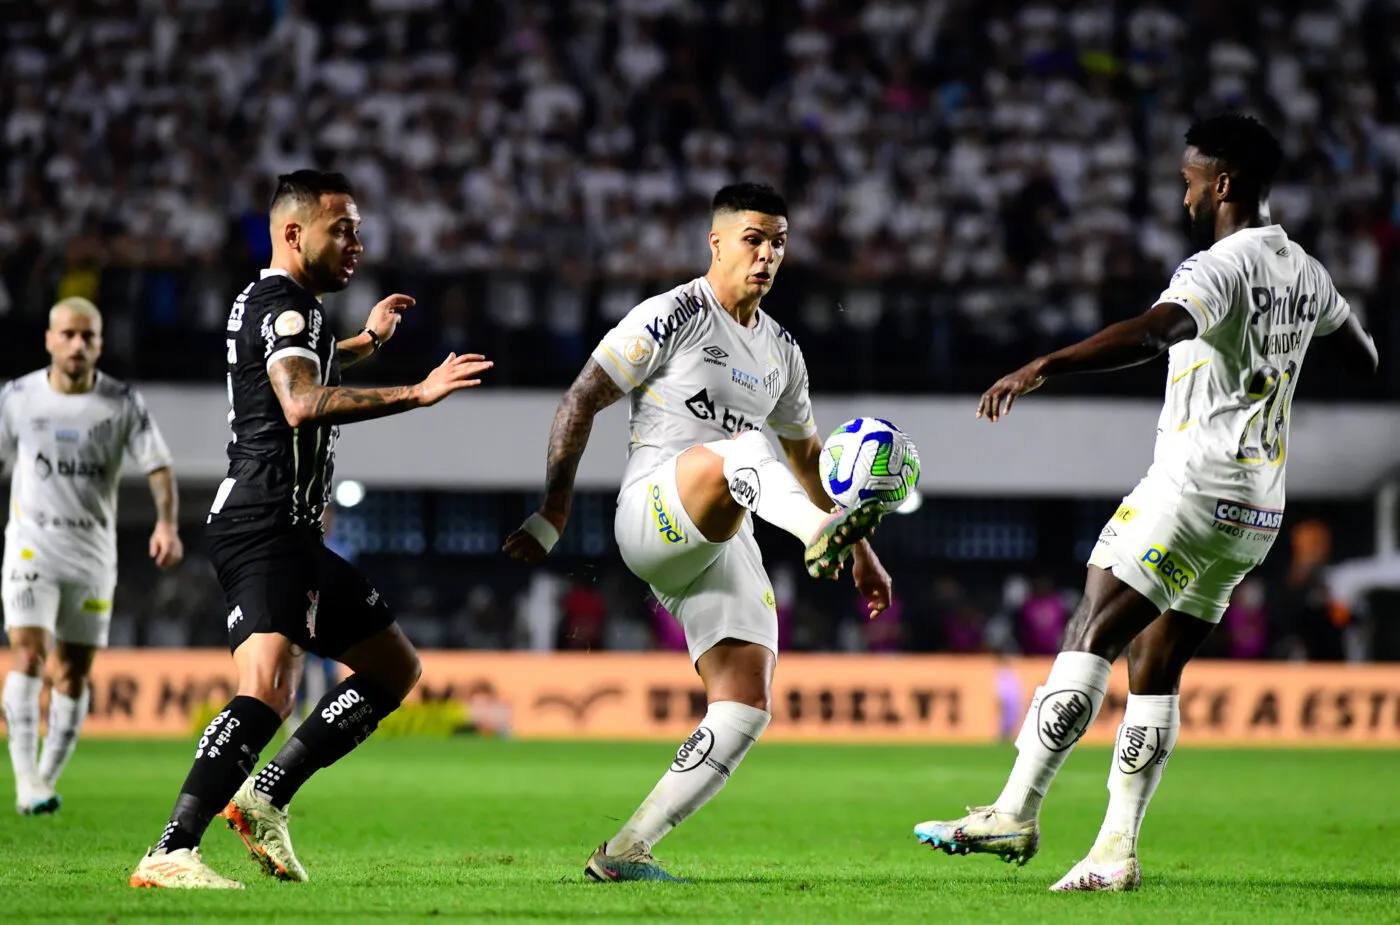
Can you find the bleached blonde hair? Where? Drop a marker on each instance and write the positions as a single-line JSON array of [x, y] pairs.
[[79, 306]]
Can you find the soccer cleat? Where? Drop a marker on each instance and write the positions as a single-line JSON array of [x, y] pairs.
[[36, 798], [635, 865], [838, 535], [984, 829], [179, 870], [263, 828], [1119, 876]]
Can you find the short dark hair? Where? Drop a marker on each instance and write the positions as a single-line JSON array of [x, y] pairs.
[[749, 197], [1242, 145], [306, 187]]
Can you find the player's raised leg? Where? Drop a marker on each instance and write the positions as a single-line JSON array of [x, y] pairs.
[[1108, 618], [738, 678], [1145, 741], [386, 668], [68, 707], [28, 652], [721, 480], [268, 668]]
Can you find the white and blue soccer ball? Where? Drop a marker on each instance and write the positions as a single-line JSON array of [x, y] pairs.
[[869, 458]]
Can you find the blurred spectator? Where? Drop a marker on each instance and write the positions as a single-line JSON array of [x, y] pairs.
[[584, 617], [1042, 618], [1246, 621], [1313, 628]]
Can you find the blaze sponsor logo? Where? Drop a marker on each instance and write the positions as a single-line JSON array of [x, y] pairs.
[[663, 326], [665, 524], [694, 750], [1062, 718], [81, 469], [1243, 515], [636, 351], [1171, 569], [703, 407]]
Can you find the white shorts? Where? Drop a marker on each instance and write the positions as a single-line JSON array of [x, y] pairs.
[[1183, 550], [73, 608], [716, 590]]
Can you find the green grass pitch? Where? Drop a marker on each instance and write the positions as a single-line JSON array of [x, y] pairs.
[[436, 830]]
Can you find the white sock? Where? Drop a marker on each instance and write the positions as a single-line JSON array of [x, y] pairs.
[[66, 715], [1060, 713], [21, 700], [765, 485], [702, 765], [1145, 742]]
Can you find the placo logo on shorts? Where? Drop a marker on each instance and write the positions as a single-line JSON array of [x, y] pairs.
[[1244, 515], [665, 525], [694, 750], [1171, 569], [1062, 718], [1137, 748]]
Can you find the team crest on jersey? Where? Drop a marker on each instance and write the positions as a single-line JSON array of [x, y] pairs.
[[289, 324], [637, 351], [772, 380]]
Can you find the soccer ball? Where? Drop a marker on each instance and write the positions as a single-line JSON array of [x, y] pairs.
[[869, 458]]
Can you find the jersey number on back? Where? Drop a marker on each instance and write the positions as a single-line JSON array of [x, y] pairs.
[[1274, 393]]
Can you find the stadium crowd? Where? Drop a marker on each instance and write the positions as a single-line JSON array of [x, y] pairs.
[[969, 181]]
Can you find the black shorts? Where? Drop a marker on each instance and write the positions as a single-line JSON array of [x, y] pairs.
[[288, 582]]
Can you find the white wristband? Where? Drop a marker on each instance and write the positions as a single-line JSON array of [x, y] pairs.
[[542, 530]]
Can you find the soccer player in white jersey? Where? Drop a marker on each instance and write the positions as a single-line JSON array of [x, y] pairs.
[[1235, 320], [706, 370], [63, 432]]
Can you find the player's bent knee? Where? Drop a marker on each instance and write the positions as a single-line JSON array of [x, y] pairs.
[[28, 660]]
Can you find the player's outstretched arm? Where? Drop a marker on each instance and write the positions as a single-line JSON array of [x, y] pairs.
[[871, 579], [166, 548], [305, 401], [1126, 343], [1353, 347], [383, 321], [591, 392]]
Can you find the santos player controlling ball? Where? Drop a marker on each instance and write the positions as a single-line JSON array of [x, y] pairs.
[[1236, 320], [64, 430], [706, 370]]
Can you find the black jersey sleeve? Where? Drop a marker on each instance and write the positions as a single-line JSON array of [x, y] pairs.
[[289, 327]]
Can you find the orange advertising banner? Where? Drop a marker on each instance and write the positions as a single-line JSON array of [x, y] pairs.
[[826, 698]]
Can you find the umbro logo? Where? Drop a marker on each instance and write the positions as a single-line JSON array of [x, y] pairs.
[[714, 355], [1282, 251]]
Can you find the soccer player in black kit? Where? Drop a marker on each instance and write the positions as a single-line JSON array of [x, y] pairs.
[[286, 593]]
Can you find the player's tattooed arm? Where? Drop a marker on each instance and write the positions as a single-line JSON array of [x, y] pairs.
[[305, 401], [166, 547], [591, 392]]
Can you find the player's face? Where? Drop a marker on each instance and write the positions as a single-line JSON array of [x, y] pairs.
[[1202, 196], [331, 243], [74, 342], [749, 247]]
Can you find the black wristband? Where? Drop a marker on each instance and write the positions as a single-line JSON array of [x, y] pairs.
[[374, 339]]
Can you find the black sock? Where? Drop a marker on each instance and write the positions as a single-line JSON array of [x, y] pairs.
[[227, 753], [343, 719]]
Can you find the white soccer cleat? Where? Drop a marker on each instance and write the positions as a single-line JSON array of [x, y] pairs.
[[34, 797], [1118, 876], [179, 870], [263, 828], [985, 830]]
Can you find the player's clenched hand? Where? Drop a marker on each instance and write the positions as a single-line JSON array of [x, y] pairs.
[[384, 318], [872, 581], [456, 372], [997, 400], [524, 546], [166, 548]]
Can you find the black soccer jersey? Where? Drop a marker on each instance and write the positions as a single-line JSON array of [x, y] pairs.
[[279, 476]]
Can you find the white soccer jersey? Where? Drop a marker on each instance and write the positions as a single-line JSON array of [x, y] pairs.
[[1257, 299], [65, 453], [694, 375]]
